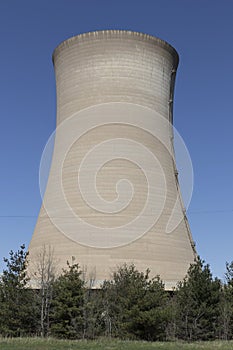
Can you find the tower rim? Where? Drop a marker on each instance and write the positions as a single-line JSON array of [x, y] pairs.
[[117, 33]]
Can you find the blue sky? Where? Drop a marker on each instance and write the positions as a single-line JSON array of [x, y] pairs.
[[202, 33]]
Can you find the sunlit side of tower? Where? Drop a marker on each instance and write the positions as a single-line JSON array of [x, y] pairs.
[[113, 72]]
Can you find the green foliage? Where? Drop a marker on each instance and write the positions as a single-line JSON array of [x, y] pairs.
[[134, 306], [18, 311], [44, 275], [226, 305], [67, 304], [198, 298], [130, 306], [92, 313]]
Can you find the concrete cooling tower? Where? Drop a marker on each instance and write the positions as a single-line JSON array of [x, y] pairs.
[[112, 193]]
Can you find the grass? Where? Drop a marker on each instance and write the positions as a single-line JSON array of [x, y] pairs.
[[52, 344]]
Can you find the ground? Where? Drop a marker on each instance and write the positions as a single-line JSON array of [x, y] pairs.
[[51, 344]]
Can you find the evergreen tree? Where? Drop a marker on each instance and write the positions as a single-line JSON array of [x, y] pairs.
[[92, 313], [67, 304], [135, 306], [198, 298], [18, 312], [226, 305]]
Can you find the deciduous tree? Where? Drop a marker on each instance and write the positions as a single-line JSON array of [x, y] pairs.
[[44, 275]]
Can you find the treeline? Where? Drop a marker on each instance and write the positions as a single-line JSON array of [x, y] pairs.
[[130, 306]]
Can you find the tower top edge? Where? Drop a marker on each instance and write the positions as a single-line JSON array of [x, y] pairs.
[[111, 34]]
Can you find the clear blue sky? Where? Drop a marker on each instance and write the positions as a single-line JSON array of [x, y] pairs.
[[202, 33]]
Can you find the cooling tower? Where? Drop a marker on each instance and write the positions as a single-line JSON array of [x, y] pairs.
[[112, 195]]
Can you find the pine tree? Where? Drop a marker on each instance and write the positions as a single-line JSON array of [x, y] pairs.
[[135, 306], [18, 312], [67, 304], [226, 305], [198, 298]]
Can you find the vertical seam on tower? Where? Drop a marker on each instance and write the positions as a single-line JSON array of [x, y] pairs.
[[172, 85]]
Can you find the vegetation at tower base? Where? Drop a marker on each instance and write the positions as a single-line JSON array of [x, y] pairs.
[[197, 302], [45, 271], [130, 306], [18, 310], [134, 305], [67, 304], [226, 305]]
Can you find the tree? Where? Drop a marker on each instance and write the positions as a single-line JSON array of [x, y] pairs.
[[67, 304], [229, 275], [18, 312], [91, 305], [44, 275], [198, 298], [134, 306], [226, 305]]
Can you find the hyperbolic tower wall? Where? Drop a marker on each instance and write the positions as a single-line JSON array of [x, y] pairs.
[[129, 78]]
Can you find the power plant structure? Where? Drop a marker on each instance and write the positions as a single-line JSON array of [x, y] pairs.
[[112, 194]]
